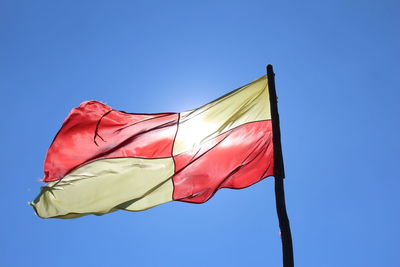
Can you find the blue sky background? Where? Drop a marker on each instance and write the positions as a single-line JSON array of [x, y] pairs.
[[337, 76]]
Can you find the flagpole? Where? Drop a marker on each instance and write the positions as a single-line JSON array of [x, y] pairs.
[[279, 174]]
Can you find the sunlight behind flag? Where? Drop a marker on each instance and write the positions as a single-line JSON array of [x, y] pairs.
[[103, 160]]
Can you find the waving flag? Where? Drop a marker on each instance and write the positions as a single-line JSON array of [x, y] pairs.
[[103, 160]]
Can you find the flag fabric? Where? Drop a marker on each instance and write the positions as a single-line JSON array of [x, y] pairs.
[[103, 160]]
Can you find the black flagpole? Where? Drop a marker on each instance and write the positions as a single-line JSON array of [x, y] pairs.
[[279, 174]]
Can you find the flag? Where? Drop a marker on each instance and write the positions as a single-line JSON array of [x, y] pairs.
[[103, 160]]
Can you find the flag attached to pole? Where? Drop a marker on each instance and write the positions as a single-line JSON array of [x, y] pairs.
[[103, 160]]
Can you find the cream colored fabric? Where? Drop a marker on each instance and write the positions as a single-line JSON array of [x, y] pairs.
[[107, 185], [246, 104]]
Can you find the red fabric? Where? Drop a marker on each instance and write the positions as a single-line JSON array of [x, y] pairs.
[[235, 159], [94, 131]]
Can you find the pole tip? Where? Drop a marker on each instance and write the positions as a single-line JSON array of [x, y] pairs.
[[270, 70]]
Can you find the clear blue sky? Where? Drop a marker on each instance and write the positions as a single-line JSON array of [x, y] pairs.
[[337, 74]]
